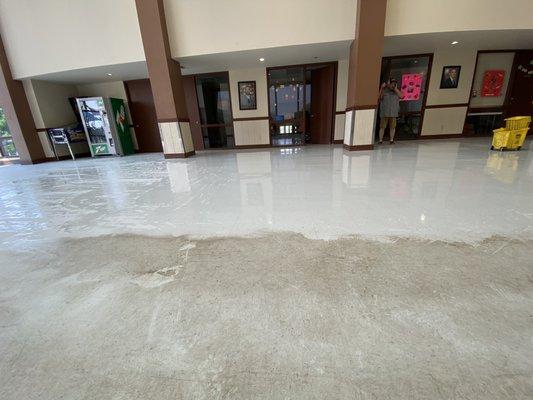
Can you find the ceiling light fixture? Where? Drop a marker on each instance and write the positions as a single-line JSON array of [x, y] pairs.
[[455, 42], [109, 74], [262, 59]]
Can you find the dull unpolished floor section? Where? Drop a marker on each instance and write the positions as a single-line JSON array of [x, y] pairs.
[[273, 317]]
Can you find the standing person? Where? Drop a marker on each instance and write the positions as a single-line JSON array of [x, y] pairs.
[[389, 97]]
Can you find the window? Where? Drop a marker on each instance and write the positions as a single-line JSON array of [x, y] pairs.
[[7, 146]]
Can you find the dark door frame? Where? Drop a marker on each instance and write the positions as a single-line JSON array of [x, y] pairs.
[[226, 125], [504, 108], [133, 120], [426, 87], [334, 102]]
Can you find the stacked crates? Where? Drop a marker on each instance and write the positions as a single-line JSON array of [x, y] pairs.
[[512, 136]]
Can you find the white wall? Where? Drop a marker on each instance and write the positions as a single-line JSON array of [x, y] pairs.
[[448, 120], [53, 103], [466, 58], [56, 35], [491, 61], [207, 26], [342, 91], [50, 108], [254, 74], [444, 121], [255, 132], [406, 17]]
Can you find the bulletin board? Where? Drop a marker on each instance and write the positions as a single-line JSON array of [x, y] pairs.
[[411, 87]]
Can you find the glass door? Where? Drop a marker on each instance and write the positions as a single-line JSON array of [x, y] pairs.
[[7, 146], [412, 75], [214, 105], [286, 93]]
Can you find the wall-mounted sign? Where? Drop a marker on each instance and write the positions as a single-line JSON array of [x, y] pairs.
[[492, 83], [411, 86]]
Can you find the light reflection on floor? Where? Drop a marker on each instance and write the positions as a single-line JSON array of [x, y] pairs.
[[440, 189]]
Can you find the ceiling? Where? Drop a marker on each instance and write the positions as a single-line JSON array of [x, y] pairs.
[[274, 56], [478, 40], [303, 54], [119, 72]]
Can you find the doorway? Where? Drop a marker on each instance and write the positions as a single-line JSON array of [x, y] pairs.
[[521, 96], [301, 104], [412, 73], [320, 122], [143, 115], [214, 110]]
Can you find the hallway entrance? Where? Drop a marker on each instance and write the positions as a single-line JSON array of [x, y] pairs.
[[412, 72], [301, 104], [521, 96], [209, 104]]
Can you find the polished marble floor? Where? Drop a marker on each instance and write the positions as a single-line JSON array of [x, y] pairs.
[[442, 189], [224, 293]]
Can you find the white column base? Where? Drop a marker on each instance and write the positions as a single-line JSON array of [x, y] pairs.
[[176, 138], [359, 129]]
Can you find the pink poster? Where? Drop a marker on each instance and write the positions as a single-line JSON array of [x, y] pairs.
[[411, 86]]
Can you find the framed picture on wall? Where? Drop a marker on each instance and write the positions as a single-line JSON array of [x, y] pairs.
[[247, 95], [450, 77]]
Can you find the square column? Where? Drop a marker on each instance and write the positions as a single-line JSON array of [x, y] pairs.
[[14, 102], [166, 81], [363, 75]]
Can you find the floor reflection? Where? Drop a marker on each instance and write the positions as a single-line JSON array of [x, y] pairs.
[[430, 189]]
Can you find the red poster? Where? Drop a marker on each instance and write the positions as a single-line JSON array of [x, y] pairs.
[[492, 83], [411, 86]]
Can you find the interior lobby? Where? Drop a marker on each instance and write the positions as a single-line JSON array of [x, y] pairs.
[[196, 204]]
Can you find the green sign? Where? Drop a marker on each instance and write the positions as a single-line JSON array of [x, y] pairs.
[[100, 149]]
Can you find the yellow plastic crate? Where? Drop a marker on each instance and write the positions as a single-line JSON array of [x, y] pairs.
[[515, 123], [505, 139]]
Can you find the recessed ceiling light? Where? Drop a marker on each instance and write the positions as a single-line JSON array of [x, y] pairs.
[[109, 74], [262, 59], [455, 42]]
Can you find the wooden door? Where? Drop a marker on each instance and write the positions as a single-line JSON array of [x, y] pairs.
[[189, 86], [142, 109], [521, 98], [322, 102]]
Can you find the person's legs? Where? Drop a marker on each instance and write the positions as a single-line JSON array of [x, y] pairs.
[[382, 126], [392, 129]]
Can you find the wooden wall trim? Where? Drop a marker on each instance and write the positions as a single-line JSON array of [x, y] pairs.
[[163, 120], [253, 146], [340, 112], [361, 147], [447, 105], [251, 119], [443, 136], [363, 107], [179, 155]]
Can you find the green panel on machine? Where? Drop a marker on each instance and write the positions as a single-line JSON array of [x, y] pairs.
[[122, 126], [99, 149]]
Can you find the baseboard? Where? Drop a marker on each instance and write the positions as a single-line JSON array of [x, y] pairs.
[[10, 161], [445, 136], [340, 141], [179, 155], [361, 147], [252, 146]]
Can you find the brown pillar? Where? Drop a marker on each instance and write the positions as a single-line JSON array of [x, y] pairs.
[[363, 76], [18, 114], [165, 79]]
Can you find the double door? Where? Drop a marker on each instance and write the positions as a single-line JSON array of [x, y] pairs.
[[209, 104]]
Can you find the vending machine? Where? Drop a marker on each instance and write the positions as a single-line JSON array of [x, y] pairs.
[[105, 125]]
